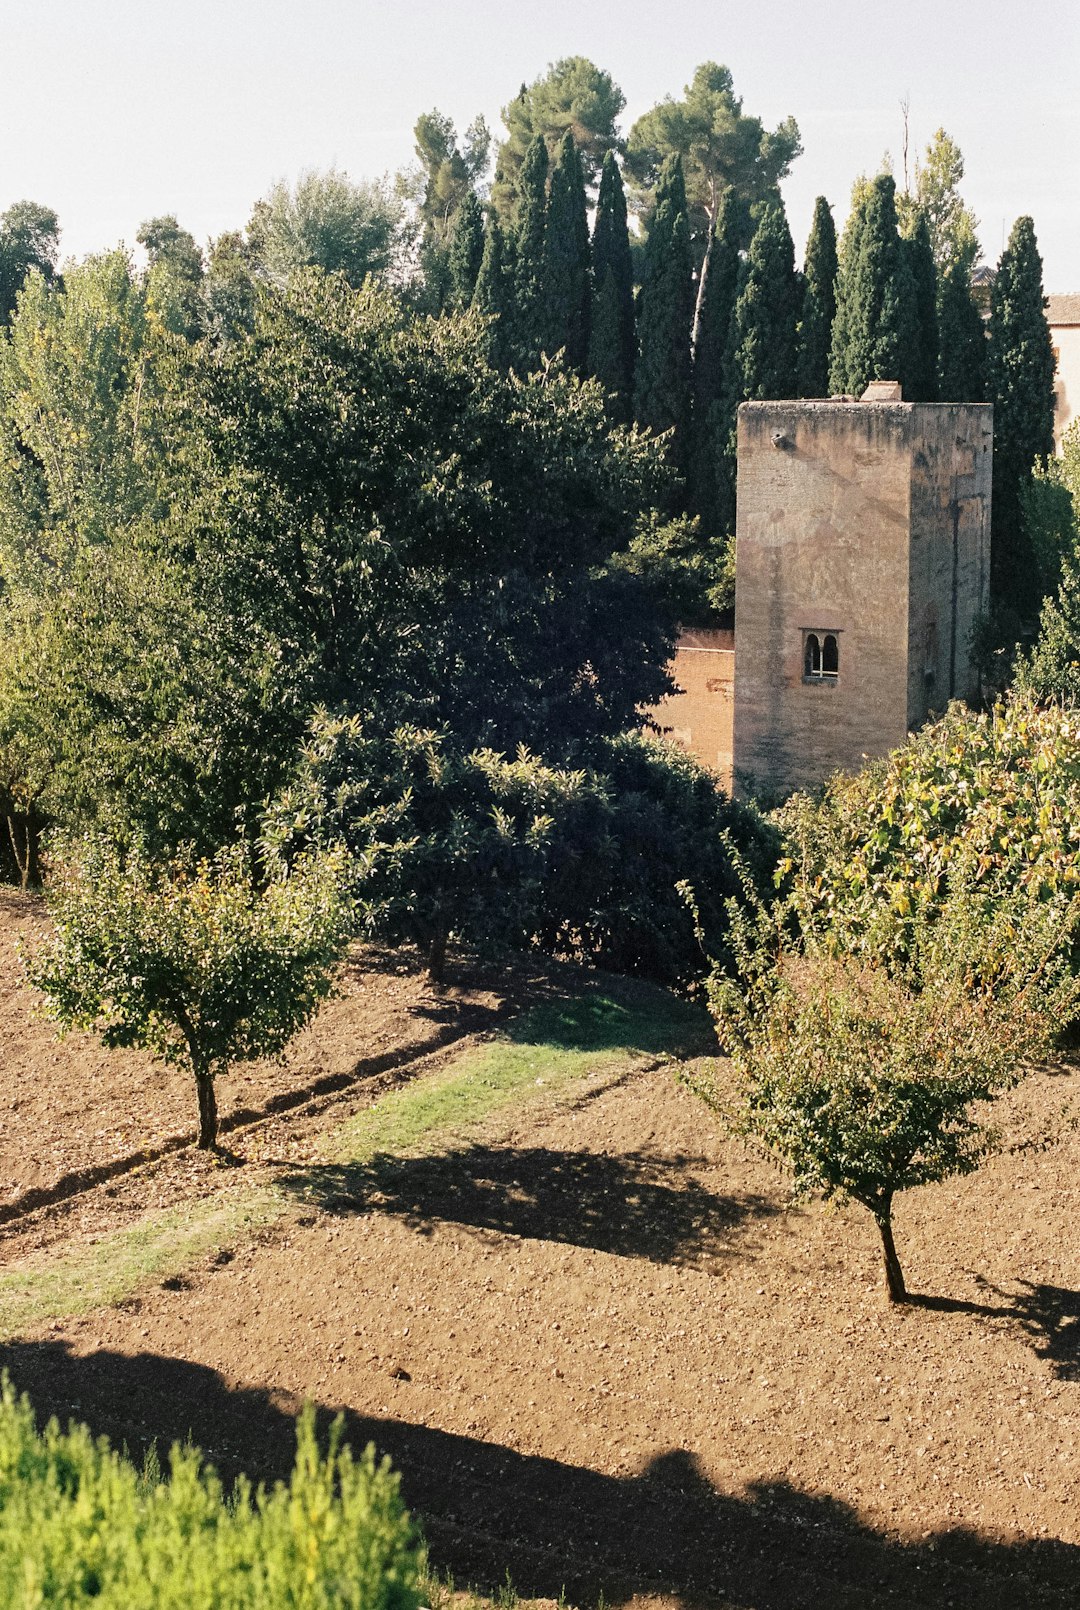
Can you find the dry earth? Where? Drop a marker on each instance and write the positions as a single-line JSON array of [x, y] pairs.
[[607, 1357]]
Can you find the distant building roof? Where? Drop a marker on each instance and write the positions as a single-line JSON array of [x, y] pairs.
[[1063, 309]]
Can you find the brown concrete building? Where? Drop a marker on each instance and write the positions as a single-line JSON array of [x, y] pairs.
[[863, 544], [862, 562], [1063, 317]]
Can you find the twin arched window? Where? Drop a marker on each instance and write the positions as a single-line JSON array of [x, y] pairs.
[[821, 657]]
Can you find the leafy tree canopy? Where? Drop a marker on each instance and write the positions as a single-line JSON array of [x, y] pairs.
[[328, 221], [573, 96], [29, 238]]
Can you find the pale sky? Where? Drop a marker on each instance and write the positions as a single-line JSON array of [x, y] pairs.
[[112, 111]]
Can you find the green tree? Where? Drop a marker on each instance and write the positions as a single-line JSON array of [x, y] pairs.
[[448, 173], [874, 331], [922, 364], [466, 251], [720, 148], [532, 321], [29, 239], [961, 339], [612, 336], [764, 321], [663, 381], [712, 488], [494, 293], [953, 226], [200, 962], [818, 304], [327, 221], [1020, 366], [566, 250], [174, 275], [865, 1081], [572, 97], [228, 293]]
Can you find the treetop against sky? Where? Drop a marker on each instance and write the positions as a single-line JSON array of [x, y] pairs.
[[117, 110]]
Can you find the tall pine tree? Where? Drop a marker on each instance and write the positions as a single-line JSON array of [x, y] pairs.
[[495, 293], [662, 387], [1021, 388], [711, 491], [466, 250], [531, 320], [818, 304], [875, 334], [566, 246], [764, 324], [921, 383], [961, 338], [612, 335]]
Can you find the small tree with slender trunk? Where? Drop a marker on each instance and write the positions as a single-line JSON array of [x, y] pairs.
[[201, 962], [864, 1079]]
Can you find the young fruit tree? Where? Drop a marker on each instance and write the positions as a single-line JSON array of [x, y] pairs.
[[203, 962], [866, 1076]]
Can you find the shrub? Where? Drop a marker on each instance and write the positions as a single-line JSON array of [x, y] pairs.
[[198, 961], [79, 1526]]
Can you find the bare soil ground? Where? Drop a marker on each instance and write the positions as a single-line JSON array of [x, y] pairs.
[[607, 1356]]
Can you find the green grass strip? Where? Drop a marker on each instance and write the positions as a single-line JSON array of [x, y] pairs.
[[547, 1050]]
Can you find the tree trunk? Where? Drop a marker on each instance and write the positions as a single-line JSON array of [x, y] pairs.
[[894, 1275], [208, 1121], [699, 300], [25, 836], [436, 955]]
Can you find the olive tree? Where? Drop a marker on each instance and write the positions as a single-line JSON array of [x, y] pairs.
[[201, 962]]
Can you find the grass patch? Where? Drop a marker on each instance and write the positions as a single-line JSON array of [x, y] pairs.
[[549, 1049], [108, 1270]]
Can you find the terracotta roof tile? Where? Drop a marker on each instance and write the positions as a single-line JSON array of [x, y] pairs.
[[1063, 309]]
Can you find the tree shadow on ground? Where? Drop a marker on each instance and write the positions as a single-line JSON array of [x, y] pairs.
[[634, 1205], [488, 1509], [1049, 1315]]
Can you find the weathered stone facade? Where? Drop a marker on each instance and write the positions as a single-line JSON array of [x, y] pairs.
[[862, 562], [699, 716]]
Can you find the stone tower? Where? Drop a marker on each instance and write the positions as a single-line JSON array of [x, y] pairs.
[[862, 563]]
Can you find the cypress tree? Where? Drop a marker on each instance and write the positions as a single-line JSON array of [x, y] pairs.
[[874, 331], [711, 495], [566, 247], [818, 304], [531, 321], [663, 379], [922, 365], [961, 338], [466, 250], [1021, 388], [763, 326], [494, 293], [612, 334]]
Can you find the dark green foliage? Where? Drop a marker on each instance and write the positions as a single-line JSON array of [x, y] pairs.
[[818, 304], [1021, 388], [692, 570], [612, 336], [663, 380], [566, 248], [961, 338], [763, 327], [874, 331], [494, 293], [496, 850], [1051, 670], [174, 276], [921, 374], [532, 323], [712, 495], [228, 291], [29, 238], [80, 1527], [466, 251]]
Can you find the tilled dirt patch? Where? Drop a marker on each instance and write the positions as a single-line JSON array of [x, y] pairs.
[[605, 1355]]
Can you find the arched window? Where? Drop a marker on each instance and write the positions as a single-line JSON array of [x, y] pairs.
[[830, 656], [821, 656]]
